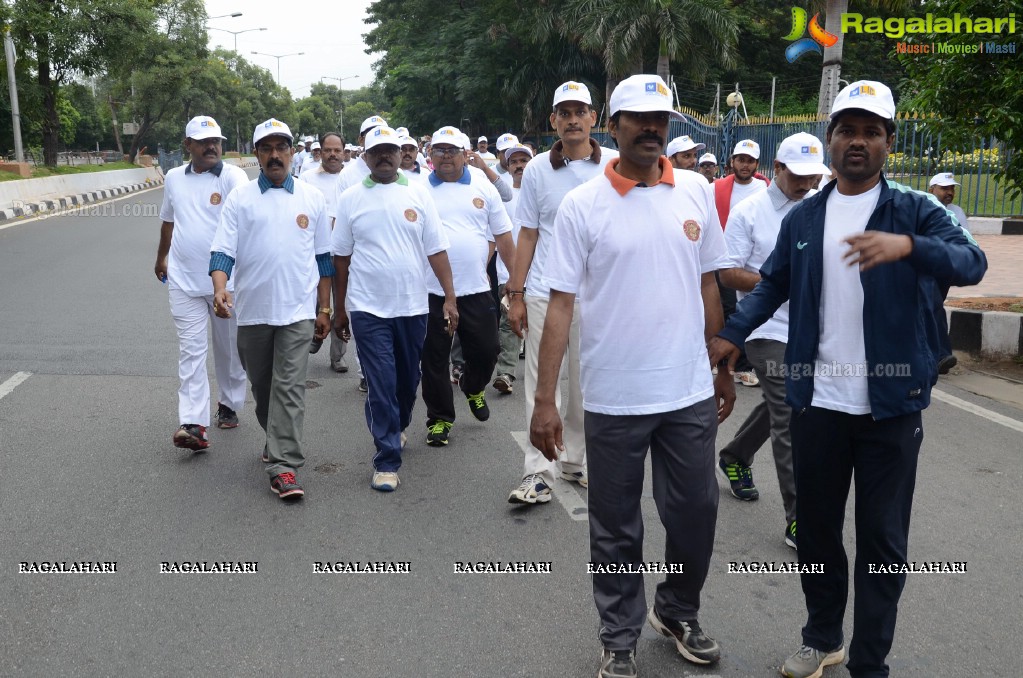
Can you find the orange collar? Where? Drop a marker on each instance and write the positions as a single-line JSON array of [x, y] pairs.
[[623, 184]]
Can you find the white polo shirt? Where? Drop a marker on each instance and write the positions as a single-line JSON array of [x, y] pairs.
[[635, 262], [510, 207], [388, 230], [274, 237], [193, 202], [543, 189], [750, 237], [472, 213], [326, 184]]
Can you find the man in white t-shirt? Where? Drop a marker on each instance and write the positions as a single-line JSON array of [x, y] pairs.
[[708, 166], [473, 215], [857, 263], [410, 165], [357, 170], [750, 238], [574, 159], [277, 232], [482, 145], [313, 162], [297, 157], [386, 231], [516, 157], [620, 240], [682, 152], [193, 197]]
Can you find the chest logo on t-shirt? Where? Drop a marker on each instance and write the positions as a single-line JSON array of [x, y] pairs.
[[302, 221], [692, 229], [411, 215], [215, 198], [478, 202]]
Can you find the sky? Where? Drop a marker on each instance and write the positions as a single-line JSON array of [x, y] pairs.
[[330, 34]]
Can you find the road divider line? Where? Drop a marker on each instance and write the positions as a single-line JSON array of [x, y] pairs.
[[563, 491], [12, 383], [1008, 422]]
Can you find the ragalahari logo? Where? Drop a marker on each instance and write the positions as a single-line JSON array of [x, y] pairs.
[[800, 46]]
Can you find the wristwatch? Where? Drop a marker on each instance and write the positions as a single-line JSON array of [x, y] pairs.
[[327, 309]]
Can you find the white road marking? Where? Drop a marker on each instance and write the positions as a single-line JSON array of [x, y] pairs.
[[1008, 422], [12, 383], [564, 492], [56, 213]]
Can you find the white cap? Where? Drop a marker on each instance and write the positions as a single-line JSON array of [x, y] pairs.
[[707, 157], [868, 95], [572, 91], [517, 148], [481, 139], [506, 141], [310, 140], [378, 136], [405, 140], [943, 179], [402, 131], [802, 154], [747, 147], [682, 143], [315, 146], [300, 144], [448, 135], [371, 122], [643, 94], [272, 127], [203, 127]]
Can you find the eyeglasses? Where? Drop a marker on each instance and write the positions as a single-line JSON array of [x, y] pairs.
[[445, 152]]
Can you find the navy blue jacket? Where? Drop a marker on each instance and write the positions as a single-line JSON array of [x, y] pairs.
[[898, 298]]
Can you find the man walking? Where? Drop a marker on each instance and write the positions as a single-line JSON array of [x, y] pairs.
[[385, 229], [277, 232], [943, 187], [854, 262], [574, 159], [708, 166], [193, 198], [682, 152]]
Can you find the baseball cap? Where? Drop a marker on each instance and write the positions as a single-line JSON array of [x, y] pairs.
[[707, 157], [402, 131], [868, 95], [300, 144], [803, 154], [448, 135], [404, 140], [517, 148], [315, 146], [380, 135], [682, 143], [747, 147], [270, 128], [506, 141], [371, 122], [943, 179], [643, 94], [572, 91], [481, 139], [203, 127]]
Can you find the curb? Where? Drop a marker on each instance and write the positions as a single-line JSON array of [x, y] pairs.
[[991, 334], [34, 208], [995, 225]]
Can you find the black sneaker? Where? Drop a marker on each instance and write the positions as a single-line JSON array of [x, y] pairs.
[[689, 638], [315, 345], [478, 405], [617, 664], [226, 417], [790, 534], [947, 363], [437, 433], [191, 437], [740, 479], [286, 487], [363, 386]]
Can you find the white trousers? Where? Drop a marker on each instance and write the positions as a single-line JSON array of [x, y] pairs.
[[574, 457], [191, 316]]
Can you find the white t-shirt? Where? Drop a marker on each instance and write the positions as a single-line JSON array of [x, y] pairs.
[[543, 189], [389, 230], [750, 237], [274, 238], [510, 207], [635, 263], [742, 191], [309, 165], [326, 184], [840, 370], [351, 174], [488, 158], [193, 202], [472, 213]]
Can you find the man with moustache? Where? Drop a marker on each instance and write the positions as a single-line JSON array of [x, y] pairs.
[[325, 178], [312, 163], [193, 198], [708, 166], [682, 152], [659, 395], [410, 166], [386, 227], [750, 238], [277, 232], [857, 263]]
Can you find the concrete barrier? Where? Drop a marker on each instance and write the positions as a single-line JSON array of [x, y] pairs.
[[18, 194], [990, 334]]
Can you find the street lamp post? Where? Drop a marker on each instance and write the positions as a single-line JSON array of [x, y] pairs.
[[224, 16], [235, 33], [279, 57], [340, 113]]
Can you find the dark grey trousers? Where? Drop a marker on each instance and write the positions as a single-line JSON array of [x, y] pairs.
[[682, 459]]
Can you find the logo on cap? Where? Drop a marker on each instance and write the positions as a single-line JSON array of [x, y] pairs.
[[570, 86], [657, 88], [272, 123], [382, 132], [205, 123], [866, 90], [809, 150], [747, 144]]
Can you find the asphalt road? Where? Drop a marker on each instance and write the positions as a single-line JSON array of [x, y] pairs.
[[90, 474]]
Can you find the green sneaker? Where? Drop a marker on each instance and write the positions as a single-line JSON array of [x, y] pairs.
[[478, 405], [790, 534], [437, 433], [740, 478]]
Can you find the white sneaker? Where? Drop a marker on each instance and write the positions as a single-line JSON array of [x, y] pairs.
[[533, 490], [385, 481], [747, 378], [579, 477]]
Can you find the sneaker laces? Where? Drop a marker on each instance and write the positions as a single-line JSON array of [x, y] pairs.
[[439, 426], [745, 474], [530, 481], [806, 652], [477, 400]]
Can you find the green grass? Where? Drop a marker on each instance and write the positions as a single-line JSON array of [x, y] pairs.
[[42, 171], [993, 202]]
